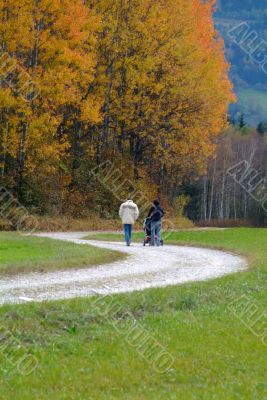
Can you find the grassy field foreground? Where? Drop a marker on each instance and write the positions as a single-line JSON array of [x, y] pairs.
[[27, 254], [84, 349]]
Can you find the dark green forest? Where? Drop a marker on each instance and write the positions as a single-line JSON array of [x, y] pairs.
[[249, 79]]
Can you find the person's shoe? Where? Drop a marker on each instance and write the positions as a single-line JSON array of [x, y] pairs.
[[128, 244]]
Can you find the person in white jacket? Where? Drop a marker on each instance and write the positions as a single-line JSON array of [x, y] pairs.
[[129, 213]]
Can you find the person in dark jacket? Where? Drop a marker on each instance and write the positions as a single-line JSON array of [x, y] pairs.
[[155, 215]]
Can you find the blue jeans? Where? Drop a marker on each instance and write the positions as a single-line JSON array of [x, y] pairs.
[[128, 233], [155, 231]]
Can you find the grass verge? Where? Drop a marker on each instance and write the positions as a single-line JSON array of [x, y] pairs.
[[87, 354], [27, 254]]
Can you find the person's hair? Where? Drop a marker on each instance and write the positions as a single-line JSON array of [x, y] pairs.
[[156, 203]]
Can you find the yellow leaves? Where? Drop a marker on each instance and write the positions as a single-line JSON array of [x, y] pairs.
[[7, 99], [150, 69], [90, 111], [79, 22], [54, 41], [41, 146]]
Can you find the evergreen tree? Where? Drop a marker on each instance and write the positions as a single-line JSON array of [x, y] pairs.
[[241, 121], [262, 128]]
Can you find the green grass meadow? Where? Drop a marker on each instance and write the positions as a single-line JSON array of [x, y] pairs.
[[84, 353], [33, 254], [254, 104], [252, 94]]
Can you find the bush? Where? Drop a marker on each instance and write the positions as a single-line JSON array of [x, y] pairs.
[[179, 205]]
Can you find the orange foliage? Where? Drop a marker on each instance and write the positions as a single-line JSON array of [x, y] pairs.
[[144, 83]]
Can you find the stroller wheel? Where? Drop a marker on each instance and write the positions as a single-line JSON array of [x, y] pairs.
[[161, 242], [144, 243]]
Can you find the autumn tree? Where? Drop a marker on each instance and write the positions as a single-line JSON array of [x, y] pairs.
[[164, 84], [52, 44], [139, 82]]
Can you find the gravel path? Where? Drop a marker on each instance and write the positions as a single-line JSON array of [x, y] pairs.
[[144, 268]]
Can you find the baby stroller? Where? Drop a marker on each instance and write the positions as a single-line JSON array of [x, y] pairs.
[[147, 230]]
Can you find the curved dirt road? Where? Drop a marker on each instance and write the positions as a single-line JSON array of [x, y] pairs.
[[144, 268]]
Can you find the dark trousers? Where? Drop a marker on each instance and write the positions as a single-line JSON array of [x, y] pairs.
[[128, 233]]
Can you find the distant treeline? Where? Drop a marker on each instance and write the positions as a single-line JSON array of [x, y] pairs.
[[235, 186], [245, 73]]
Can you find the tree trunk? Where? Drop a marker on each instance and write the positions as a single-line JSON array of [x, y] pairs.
[[21, 160], [4, 145], [212, 188], [205, 198]]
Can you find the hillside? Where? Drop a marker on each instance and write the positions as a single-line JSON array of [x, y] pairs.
[[247, 76]]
